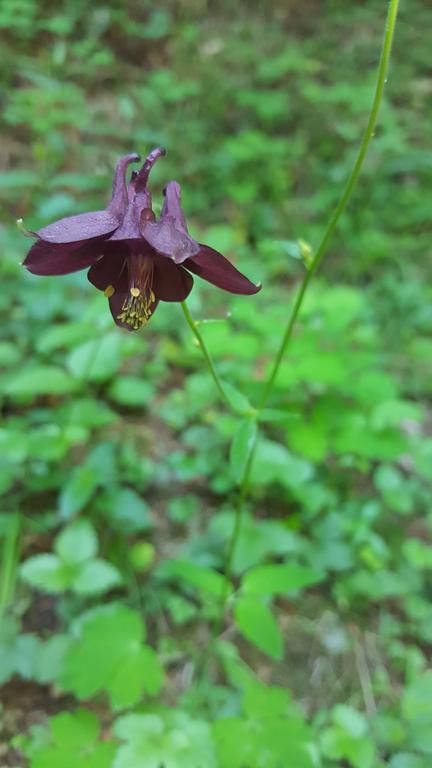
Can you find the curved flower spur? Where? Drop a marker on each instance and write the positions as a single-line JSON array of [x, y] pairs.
[[134, 259]]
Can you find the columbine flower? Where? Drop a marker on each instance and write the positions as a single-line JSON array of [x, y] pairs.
[[134, 259]]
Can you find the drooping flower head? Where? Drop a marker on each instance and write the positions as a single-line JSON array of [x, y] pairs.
[[134, 259]]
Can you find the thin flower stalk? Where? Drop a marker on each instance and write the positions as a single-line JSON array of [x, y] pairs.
[[315, 263]]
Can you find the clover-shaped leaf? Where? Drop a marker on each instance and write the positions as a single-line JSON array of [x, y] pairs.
[[74, 565], [108, 654]]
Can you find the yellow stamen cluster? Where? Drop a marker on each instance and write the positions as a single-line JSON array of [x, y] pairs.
[[137, 308]]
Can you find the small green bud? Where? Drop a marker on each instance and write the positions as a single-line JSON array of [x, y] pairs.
[[142, 556], [306, 253]]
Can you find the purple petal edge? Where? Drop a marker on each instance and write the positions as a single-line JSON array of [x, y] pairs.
[[210, 265], [75, 229], [50, 259]]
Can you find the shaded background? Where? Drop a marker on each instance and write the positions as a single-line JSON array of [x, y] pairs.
[[261, 106]]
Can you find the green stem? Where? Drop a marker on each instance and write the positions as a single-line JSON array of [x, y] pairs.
[[238, 519], [9, 562], [343, 202], [198, 335], [321, 250]]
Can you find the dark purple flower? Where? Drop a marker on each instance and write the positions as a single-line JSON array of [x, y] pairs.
[[134, 259]]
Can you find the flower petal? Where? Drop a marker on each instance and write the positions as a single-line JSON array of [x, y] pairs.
[[88, 226], [163, 236], [60, 259], [170, 281], [116, 303], [216, 269], [120, 198], [75, 229], [137, 213], [172, 206], [120, 296], [107, 270], [169, 235]]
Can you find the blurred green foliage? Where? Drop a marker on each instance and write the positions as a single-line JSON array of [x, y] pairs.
[[115, 450]]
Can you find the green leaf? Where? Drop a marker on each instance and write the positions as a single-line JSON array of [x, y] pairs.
[[49, 661], [48, 573], [18, 653], [274, 463], [271, 729], [351, 721], [204, 579], [95, 577], [241, 446], [171, 739], [279, 416], [256, 622], [61, 336], [128, 511], [27, 651], [257, 541], [74, 566], [96, 360], [44, 380], [79, 490], [9, 354], [108, 654], [89, 413], [277, 579], [262, 701], [349, 738], [417, 700], [73, 737], [128, 390], [406, 760], [238, 400], [310, 440], [77, 543]]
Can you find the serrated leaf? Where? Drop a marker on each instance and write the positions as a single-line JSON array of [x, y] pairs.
[[108, 655], [171, 739], [277, 579], [241, 446], [257, 623], [270, 730], [74, 737]]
